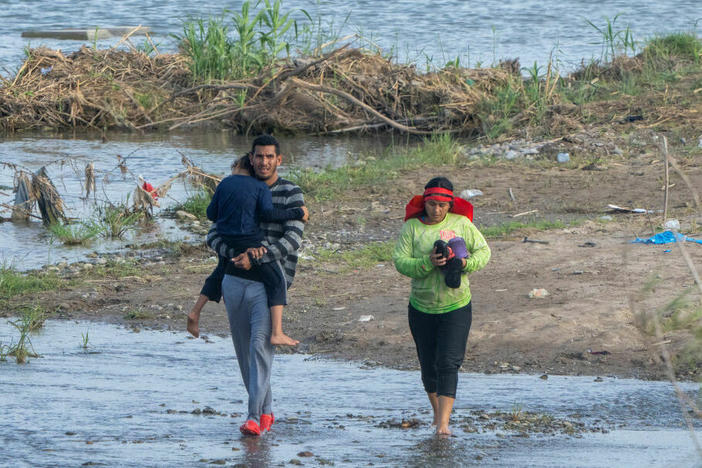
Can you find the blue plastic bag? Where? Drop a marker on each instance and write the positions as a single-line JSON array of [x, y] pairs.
[[666, 237]]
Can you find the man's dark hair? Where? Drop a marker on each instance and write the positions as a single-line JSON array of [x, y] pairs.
[[441, 182], [265, 140]]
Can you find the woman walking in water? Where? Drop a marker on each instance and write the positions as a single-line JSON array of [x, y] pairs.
[[438, 247]]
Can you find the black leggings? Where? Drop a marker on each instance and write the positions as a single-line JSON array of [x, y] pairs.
[[441, 345]]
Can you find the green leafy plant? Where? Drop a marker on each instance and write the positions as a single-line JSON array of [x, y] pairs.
[[74, 234], [278, 25], [196, 204], [114, 221], [220, 50], [4, 351], [614, 41], [84, 339], [30, 319]]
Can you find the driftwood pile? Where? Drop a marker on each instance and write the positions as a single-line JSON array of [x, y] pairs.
[[347, 90]]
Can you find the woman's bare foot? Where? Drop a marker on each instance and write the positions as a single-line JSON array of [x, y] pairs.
[[283, 339], [194, 324], [443, 430]]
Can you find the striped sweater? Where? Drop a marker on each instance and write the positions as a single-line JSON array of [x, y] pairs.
[[282, 240]]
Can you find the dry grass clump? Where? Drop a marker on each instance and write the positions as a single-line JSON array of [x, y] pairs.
[[350, 90], [89, 88], [345, 90]]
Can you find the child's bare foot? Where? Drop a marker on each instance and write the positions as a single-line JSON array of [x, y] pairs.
[[194, 324], [283, 339], [443, 430]]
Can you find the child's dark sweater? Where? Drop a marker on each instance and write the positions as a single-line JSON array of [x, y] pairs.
[[238, 205]]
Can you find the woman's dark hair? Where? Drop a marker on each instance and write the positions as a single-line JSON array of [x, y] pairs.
[[244, 162], [441, 182]]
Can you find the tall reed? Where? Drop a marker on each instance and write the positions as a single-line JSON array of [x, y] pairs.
[[238, 46]]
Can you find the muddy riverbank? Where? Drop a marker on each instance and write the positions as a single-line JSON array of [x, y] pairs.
[[598, 282]]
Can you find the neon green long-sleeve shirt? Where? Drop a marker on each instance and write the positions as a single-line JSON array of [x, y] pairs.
[[429, 292]]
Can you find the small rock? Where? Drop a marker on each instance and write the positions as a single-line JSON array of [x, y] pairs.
[[511, 154], [467, 194], [563, 157], [672, 225], [180, 214], [544, 377], [538, 293], [305, 454], [365, 318]]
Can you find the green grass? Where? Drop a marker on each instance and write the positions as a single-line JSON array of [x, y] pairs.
[[114, 221], [196, 204], [146, 100], [117, 269], [614, 41], [74, 234], [84, 338], [496, 111], [30, 319], [358, 259], [682, 45], [505, 229], [136, 314], [664, 60], [14, 283], [439, 150]]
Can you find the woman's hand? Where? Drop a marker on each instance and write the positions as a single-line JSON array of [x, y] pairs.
[[305, 215], [437, 259]]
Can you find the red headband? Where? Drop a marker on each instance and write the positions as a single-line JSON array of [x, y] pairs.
[[438, 194]]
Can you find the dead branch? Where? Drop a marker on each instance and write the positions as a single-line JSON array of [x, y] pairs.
[[352, 99]]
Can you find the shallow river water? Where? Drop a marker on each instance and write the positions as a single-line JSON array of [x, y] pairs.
[[433, 32], [132, 399]]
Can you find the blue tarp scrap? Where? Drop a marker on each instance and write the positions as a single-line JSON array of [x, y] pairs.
[[666, 237]]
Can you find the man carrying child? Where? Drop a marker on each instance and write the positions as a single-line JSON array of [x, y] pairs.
[[242, 286]]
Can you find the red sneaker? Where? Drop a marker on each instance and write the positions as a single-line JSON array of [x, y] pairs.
[[267, 421], [250, 428]]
